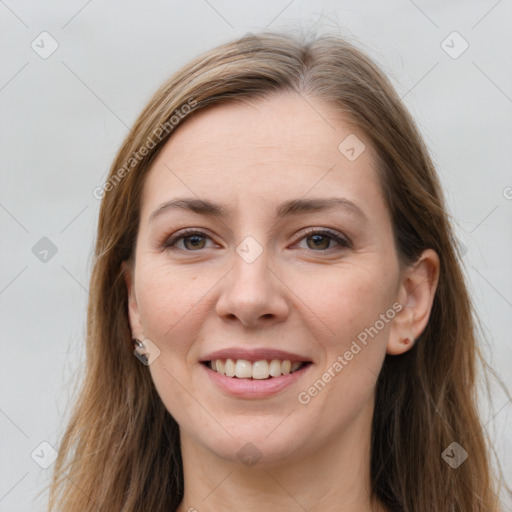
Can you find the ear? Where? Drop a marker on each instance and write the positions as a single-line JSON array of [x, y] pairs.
[[133, 308], [416, 296]]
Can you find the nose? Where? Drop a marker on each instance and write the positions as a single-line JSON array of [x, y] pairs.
[[252, 293]]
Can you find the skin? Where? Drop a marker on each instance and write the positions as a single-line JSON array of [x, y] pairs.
[[296, 296]]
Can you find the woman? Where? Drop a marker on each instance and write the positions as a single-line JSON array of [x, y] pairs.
[[273, 247]]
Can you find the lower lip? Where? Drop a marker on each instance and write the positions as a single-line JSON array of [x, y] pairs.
[[254, 388]]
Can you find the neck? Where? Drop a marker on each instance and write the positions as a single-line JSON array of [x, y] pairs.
[[334, 476]]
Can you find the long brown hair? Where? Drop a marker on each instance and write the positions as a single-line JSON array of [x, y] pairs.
[[121, 449]]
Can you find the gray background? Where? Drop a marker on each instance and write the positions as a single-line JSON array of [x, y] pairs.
[[64, 117]]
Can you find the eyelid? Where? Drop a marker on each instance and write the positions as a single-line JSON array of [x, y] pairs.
[[170, 241], [342, 240]]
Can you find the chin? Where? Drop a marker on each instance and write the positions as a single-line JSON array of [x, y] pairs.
[[262, 440]]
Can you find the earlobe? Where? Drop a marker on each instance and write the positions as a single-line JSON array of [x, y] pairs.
[[133, 308], [416, 296], [397, 346]]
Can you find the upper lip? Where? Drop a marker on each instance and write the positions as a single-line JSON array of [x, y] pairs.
[[257, 354]]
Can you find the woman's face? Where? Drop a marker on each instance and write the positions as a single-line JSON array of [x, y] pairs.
[[296, 262]]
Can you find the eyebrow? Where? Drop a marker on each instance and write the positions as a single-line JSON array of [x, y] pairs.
[[286, 209]]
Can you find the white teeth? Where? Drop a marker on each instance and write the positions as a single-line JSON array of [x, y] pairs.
[[221, 366], [275, 368], [260, 370], [295, 366], [243, 369], [230, 368]]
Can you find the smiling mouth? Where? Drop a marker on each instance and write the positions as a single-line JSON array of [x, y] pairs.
[[257, 370]]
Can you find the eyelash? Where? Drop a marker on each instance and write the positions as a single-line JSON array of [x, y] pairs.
[[343, 242]]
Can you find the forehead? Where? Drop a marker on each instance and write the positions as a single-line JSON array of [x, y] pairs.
[[266, 150]]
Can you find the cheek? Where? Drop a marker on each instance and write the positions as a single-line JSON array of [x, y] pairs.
[[170, 301], [166, 299], [347, 301], [357, 307]]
